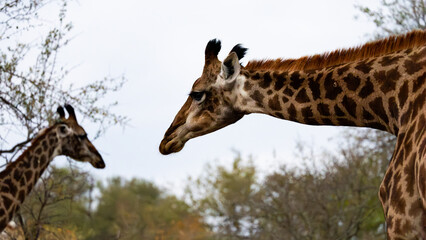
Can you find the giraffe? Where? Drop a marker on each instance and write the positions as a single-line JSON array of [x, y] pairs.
[[66, 137], [379, 85]]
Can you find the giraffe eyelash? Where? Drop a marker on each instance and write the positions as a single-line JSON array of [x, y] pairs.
[[198, 96]]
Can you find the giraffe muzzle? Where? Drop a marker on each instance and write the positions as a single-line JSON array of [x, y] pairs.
[[170, 146]]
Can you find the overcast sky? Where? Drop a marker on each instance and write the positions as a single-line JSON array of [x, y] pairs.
[[159, 47]]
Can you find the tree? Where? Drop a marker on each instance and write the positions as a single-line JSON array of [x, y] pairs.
[[224, 198], [331, 198], [137, 209], [60, 205], [396, 16], [32, 82], [32, 86]]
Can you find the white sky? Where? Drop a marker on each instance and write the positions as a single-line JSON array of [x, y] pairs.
[[159, 47]]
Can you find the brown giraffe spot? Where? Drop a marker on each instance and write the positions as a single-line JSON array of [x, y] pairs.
[[397, 226], [327, 121], [396, 199], [393, 108], [295, 80], [302, 97], [377, 125], [387, 79], [364, 66], [17, 174], [389, 60], [346, 122], [7, 202], [422, 179], [269, 92], [315, 88], [418, 104], [285, 99], [258, 97], [366, 115], [247, 86], [399, 159], [412, 67], [292, 112], [403, 94], [343, 69], [406, 227], [35, 163], [409, 175], [287, 91], [3, 223], [280, 80], [389, 221], [323, 109], [266, 81], [418, 55], [416, 208], [405, 116], [38, 151], [43, 159], [307, 112], [4, 188], [21, 196], [274, 103], [280, 115], [367, 89], [338, 111], [331, 89], [350, 106], [256, 76], [387, 179], [22, 182], [44, 145], [377, 106], [420, 125], [352, 81], [420, 81]]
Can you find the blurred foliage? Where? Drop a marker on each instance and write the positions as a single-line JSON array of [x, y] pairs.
[[137, 209], [32, 81], [396, 16], [32, 86], [331, 198]]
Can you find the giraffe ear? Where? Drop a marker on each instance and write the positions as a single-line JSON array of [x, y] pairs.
[[231, 67], [239, 50], [61, 112]]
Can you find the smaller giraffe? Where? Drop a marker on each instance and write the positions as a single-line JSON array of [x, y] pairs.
[[66, 137]]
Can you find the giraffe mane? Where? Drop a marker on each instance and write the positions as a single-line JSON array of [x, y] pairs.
[[377, 48]]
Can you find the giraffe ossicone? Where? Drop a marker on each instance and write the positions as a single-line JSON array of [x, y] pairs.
[[65, 137], [378, 85]]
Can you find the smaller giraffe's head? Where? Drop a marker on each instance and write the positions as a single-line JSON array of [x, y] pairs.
[[73, 141], [210, 105]]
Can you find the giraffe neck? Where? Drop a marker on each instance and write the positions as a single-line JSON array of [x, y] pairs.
[[19, 177], [368, 93]]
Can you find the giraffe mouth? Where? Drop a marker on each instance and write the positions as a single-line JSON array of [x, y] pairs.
[[170, 146]]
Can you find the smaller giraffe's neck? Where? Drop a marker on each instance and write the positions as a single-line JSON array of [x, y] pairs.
[[19, 177], [351, 94]]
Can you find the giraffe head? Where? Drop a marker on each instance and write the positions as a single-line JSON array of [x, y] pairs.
[[210, 105], [73, 141]]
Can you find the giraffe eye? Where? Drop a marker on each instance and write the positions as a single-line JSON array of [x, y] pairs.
[[198, 96]]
